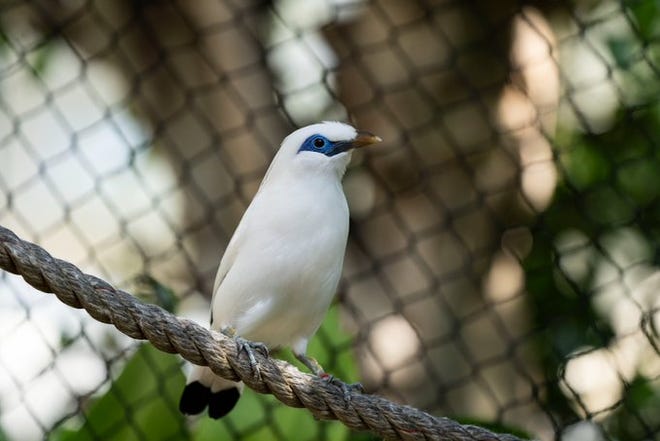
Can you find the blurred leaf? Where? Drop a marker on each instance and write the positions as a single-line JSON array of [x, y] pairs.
[[41, 58], [151, 290], [611, 181], [263, 418], [624, 51], [638, 417], [4, 43], [561, 308], [250, 412], [333, 348], [208, 429], [646, 14], [67, 339], [586, 165], [607, 207], [294, 422], [640, 180], [63, 434], [140, 405]]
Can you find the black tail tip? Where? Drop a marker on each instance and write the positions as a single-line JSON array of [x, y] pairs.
[[220, 403], [194, 399]]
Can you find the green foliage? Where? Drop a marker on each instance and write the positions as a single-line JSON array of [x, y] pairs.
[[40, 58], [638, 416], [610, 183], [645, 14], [150, 290], [331, 346], [613, 177], [141, 403]]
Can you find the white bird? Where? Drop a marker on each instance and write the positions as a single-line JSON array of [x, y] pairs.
[[281, 268]]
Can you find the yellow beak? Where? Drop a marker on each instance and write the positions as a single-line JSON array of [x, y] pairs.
[[364, 139]]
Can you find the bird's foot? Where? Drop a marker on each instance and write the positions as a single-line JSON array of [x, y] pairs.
[[348, 389], [248, 347]]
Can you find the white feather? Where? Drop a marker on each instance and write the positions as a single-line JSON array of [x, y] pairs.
[[281, 268]]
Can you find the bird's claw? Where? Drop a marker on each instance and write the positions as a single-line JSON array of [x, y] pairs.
[[248, 347], [347, 389]]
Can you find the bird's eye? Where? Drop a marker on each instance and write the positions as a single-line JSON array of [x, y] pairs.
[[319, 143]]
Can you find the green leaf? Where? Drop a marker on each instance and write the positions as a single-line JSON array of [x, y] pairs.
[[40, 58], [151, 290], [62, 434], [250, 412], [639, 415], [208, 429], [586, 165], [646, 14], [332, 348], [140, 405], [624, 50], [608, 207], [640, 180]]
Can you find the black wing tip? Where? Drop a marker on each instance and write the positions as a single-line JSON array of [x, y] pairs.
[[222, 402], [194, 399]]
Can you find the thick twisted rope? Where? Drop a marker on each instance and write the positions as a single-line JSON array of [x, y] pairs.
[[203, 347]]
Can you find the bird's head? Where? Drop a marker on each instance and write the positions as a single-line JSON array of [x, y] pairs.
[[323, 147]]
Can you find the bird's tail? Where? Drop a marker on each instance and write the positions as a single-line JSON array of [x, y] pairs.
[[204, 388]]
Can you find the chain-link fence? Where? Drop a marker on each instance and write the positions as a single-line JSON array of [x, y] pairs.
[[502, 267]]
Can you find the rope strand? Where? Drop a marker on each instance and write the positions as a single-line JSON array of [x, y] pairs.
[[208, 348]]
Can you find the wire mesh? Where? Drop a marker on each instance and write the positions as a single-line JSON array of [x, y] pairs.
[[502, 267]]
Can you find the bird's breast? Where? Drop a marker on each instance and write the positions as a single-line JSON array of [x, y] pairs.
[[289, 264], [294, 239], [308, 211]]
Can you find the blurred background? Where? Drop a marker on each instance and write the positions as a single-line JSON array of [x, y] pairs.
[[503, 263]]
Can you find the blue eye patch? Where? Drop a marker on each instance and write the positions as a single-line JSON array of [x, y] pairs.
[[321, 144]]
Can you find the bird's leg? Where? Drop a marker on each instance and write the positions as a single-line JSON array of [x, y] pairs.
[[317, 369], [248, 347], [311, 364]]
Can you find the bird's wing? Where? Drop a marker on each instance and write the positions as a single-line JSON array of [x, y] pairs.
[[228, 259]]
